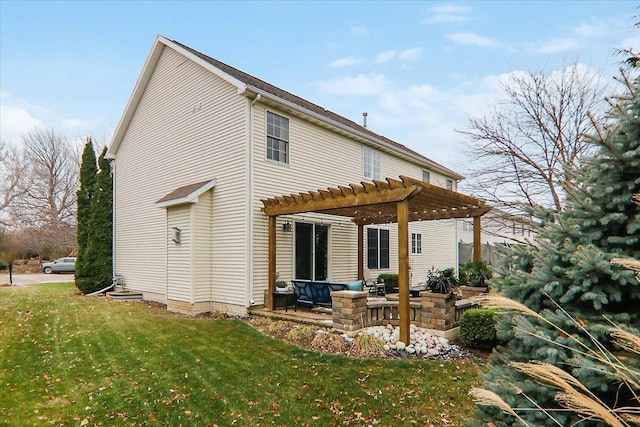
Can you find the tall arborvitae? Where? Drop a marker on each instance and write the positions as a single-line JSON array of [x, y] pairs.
[[88, 170], [99, 248], [571, 266]]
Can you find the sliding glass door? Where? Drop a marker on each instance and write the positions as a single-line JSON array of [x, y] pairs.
[[311, 251]]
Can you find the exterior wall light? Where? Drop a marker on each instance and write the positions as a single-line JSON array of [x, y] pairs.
[[176, 235], [287, 227]]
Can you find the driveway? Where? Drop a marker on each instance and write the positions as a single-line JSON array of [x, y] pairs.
[[24, 279]]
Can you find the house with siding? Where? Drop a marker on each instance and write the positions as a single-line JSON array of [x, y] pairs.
[[201, 143]]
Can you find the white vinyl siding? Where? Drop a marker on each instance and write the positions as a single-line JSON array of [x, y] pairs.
[[202, 247], [190, 126], [179, 254]]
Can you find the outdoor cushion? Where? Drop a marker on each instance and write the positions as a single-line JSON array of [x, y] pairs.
[[357, 285]]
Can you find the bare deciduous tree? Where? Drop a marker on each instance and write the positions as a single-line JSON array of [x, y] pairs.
[[518, 151], [15, 180], [50, 202]]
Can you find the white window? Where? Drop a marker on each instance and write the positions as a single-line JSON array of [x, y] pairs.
[[416, 243], [426, 176], [377, 248], [277, 138], [371, 163], [450, 184]]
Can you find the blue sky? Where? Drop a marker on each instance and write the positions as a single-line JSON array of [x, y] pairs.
[[419, 69]]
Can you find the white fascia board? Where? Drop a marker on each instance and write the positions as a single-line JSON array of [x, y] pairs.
[[147, 71], [189, 199], [136, 95], [249, 90]]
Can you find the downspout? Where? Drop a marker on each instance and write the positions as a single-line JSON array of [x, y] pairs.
[[112, 163], [251, 221]]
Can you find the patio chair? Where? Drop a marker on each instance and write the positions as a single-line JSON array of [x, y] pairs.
[[374, 286]]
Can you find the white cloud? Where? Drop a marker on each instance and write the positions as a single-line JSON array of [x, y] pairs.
[[359, 30], [363, 84], [15, 121], [385, 56], [410, 54], [630, 43], [473, 39], [590, 30], [344, 62], [557, 45], [447, 13]]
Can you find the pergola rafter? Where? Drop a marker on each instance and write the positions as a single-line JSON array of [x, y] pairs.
[[379, 202]]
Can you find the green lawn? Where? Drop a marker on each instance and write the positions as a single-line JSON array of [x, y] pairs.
[[68, 359]]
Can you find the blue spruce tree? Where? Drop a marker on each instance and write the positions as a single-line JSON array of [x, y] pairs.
[[571, 266]]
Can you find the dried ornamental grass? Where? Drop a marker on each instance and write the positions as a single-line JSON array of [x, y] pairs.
[[332, 343], [367, 345]]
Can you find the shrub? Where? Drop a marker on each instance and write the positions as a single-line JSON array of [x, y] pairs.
[[478, 328], [390, 282], [3, 264]]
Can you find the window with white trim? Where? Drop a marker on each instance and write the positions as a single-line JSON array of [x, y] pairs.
[[426, 176], [377, 248], [371, 163], [450, 184], [416, 243], [277, 138]]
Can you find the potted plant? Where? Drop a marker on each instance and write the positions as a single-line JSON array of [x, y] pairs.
[[475, 273], [441, 281], [281, 285]]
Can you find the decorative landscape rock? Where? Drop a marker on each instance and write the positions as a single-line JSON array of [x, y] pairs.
[[422, 342]]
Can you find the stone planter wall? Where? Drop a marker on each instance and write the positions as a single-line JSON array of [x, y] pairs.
[[472, 291], [438, 311]]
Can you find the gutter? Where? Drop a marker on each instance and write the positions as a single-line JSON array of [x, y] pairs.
[[251, 214]]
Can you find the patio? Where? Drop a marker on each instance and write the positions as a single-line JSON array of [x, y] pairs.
[[438, 313], [379, 202]]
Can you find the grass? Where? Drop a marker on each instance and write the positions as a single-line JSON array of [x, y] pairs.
[[68, 359]]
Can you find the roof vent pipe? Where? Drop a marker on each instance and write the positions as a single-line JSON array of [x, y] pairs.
[[364, 116]]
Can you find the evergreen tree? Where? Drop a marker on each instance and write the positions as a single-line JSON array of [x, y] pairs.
[[571, 266], [99, 248], [88, 170]]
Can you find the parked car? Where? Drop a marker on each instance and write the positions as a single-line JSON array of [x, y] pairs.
[[61, 265]]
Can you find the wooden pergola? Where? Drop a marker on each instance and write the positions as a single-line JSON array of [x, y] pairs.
[[379, 202]]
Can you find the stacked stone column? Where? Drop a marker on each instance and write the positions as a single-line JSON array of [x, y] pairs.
[[438, 311], [349, 310]]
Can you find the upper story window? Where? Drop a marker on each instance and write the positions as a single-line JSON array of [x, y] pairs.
[[277, 138], [371, 163], [426, 176], [450, 184]]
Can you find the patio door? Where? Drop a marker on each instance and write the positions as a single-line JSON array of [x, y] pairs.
[[311, 251]]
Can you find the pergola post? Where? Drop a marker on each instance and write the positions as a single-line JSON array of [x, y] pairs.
[[272, 261], [477, 242], [403, 270], [360, 252]]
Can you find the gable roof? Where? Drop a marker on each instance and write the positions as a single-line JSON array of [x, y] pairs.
[[186, 194], [247, 84]]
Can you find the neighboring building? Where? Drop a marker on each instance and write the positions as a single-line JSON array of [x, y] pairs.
[[499, 230], [201, 143]]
